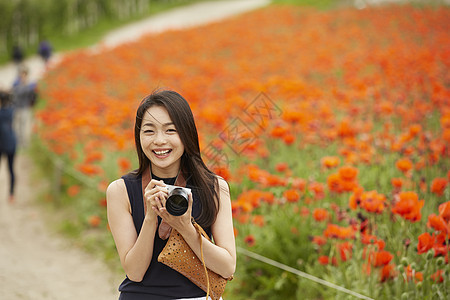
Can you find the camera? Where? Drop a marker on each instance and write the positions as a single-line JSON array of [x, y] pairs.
[[177, 201]]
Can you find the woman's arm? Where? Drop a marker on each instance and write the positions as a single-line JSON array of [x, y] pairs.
[[135, 251], [221, 256]]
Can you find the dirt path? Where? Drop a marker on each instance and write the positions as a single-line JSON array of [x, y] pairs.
[[35, 262]]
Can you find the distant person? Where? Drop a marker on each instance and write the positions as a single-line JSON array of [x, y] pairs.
[[17, 55], [45, 51], [7, 138], [24, 95]]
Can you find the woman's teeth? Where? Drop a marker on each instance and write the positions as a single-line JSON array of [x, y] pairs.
[[161, 152]]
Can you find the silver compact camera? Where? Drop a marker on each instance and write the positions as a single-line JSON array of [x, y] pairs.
[[177, 201]]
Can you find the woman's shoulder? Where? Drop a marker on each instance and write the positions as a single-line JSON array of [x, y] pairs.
[[223, 185], [116, 186]]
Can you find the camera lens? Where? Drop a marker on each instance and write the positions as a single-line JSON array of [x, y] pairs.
[[177, 203]]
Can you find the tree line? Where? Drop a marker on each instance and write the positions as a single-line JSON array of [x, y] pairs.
[[26, 22]]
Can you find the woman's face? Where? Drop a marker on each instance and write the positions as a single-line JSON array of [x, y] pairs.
[[160, 142]]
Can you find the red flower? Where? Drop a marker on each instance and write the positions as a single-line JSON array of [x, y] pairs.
[[345, 250], [319, 240], [438, 186], [324, 260], [387, 272], [281, 167], [382, 258], [437, 223], [437, 277], [409, 206], [426, 242], [250, 240], [444, 211]]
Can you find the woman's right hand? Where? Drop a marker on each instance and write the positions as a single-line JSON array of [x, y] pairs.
[[154, 197]]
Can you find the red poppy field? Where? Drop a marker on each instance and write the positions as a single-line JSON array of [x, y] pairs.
[[332, 128]]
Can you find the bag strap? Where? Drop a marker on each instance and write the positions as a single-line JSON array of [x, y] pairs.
[[200, 233]]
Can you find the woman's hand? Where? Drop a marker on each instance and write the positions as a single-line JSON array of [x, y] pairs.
[[180, 223], [155, 197]]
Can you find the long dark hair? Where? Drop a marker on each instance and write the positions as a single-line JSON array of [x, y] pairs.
[[192, 165]]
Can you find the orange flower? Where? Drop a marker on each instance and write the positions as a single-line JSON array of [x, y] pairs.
[[223, 172], [410, 273], [336, 231], [404, 165], [373, 202], [334, 183], [73, 190], [94, 220], [289, 139], [291, 195], [348, 173], [397, 183], [318, 190], [304, 211], [330, 161], [438, 186], [409, 206], [90, 170], [321, 214], [258, 220], [299, 184], [93, 157], [124, 164]]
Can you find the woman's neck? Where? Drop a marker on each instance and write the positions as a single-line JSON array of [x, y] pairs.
[[164, 173]]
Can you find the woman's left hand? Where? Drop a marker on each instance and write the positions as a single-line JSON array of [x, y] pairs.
[[179, 223]]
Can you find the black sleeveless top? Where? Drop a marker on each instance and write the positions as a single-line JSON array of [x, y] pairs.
[[160, 282]]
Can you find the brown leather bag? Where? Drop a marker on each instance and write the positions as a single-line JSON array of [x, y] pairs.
[[179, 256]]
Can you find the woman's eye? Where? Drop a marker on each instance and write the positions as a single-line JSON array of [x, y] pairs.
[[148, 131], [171, 130]]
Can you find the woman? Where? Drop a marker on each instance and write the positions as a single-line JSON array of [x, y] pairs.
[[7, 138], [168, 151]]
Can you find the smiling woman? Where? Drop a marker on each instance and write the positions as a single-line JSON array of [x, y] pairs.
[[169, 154]]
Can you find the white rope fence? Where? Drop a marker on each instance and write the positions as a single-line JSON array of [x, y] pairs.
[[300, 273]]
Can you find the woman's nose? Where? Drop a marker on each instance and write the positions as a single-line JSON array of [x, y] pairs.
[[160, 139]]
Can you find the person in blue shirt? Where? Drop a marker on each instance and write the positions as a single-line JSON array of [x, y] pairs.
[[7, 138], [24, 94]]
